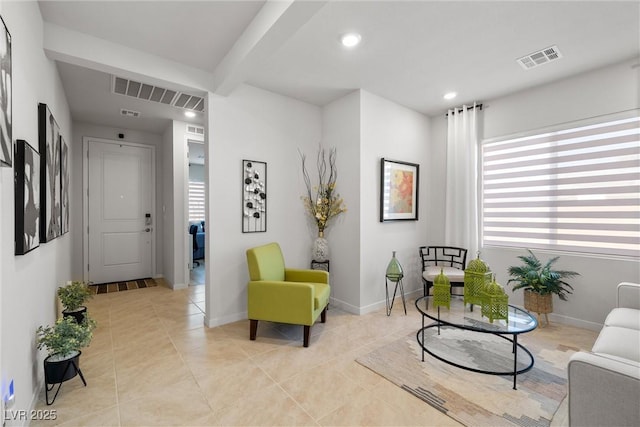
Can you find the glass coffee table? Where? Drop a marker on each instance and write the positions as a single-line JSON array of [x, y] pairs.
[[464, 317]]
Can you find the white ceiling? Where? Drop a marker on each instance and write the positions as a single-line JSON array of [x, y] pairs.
[[411, 52]]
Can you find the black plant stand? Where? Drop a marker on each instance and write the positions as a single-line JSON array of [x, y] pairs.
[[398, 283], [69, 367]]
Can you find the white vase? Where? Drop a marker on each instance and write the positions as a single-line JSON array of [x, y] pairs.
[[320, 249]]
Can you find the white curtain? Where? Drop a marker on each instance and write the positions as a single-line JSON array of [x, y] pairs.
[[461, 206]]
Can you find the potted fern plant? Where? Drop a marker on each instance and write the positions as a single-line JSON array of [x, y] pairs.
[[63, 341], [539, 282], [72, 297]]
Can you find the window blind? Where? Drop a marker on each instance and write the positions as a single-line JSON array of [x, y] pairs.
[[575, 189], [196, 201]]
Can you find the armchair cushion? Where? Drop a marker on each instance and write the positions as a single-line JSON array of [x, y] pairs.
[[266, 263], [624, 317], [454, 274]]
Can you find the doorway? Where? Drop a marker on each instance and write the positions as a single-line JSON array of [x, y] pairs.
[[119, 210], [196, 197]]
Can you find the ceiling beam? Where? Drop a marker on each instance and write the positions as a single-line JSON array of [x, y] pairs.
[[73, 47], [276, 22]]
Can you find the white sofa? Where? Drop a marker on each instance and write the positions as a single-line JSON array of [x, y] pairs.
[[604, 384]]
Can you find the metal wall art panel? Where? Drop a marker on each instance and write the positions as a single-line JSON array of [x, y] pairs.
[[254, 196]]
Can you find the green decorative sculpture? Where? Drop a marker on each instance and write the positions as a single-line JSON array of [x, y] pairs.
[[394, 269], [441, 290], [394, 274], [477, 276], [495, 302]]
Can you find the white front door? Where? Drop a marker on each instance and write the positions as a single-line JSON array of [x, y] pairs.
[[120, 216]]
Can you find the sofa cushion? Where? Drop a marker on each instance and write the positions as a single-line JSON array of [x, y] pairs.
[[454, 274], [619, 342], [624, 318]]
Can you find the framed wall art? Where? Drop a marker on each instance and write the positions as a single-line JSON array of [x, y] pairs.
[[254, 196], [50, 182], [398, 190], [27, 197], [64, 185], [6, 137]]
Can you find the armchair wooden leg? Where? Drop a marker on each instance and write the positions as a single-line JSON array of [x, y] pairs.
[[323, 315], [307, 331], [253, 329]]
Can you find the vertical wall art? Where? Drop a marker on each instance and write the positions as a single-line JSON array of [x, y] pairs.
[[27, 197], [6, 138], [64, 185], [50, 211], [254, 196], [398, 190]]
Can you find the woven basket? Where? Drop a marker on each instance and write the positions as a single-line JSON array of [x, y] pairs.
[[541, 304]]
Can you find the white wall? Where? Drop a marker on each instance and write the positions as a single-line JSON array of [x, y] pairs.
[[81, 130], [257, 125], [180, 167], [167, 212], [174, 207], [29, 282], [603, 91], [393, 132], [341, 129]]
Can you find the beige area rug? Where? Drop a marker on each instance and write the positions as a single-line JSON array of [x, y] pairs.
[[107, 288], [471, 398]]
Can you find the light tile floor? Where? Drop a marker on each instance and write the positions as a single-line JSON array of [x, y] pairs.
[[152, 362]]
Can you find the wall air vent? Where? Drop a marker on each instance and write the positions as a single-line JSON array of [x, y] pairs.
[[129, 113], [195, 130], [152, 93], [540, 57]]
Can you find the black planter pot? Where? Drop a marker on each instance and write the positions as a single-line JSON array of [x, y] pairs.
[[78, 314], [59, 371]]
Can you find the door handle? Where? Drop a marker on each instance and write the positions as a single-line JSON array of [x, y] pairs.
[[148, 229]]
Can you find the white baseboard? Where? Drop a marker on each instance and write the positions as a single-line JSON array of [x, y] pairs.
[[219, 321], [178, 286], [342, 305], [570, 321], [349, 308]]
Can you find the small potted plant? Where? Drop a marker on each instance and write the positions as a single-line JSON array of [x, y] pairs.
[[539, 282], [63, 342], [72, 296]]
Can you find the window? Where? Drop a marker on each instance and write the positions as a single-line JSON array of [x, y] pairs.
[[575, 189], [196, 201]]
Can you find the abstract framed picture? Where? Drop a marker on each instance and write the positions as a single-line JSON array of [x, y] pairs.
[[254, 196], [27, 197], [398, 190], [6, 137], [50, 182], [64, 185]]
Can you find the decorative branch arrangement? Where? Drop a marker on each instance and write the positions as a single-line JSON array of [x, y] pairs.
[[322, 202], [254, 200]]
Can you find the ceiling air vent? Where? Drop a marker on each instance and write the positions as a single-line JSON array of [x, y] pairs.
[[129, 113], [540, 57], [195, 130], [158, 94]]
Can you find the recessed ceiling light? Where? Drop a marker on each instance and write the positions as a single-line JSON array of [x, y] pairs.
[[350, 39], [189, 114], [450, 95]]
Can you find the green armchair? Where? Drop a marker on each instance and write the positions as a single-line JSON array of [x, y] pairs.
[[284, 295]]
